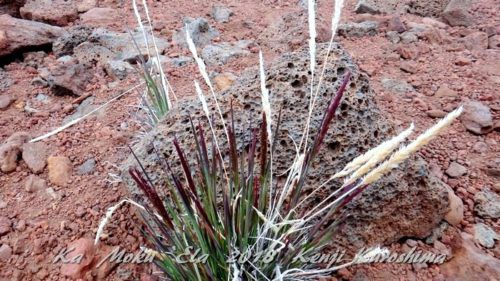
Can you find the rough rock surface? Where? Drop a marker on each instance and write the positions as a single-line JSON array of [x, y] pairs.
[[11, 7], [408, 37], [60, 170], [5, 83], [397, 86], [118, 69], [5, 101], [470, 263], [67, 76], [221, 13], [34, 59], [100, 17], [65, 44], [419, 7], [477, 118], [84, 5], [10, 151], [201, 32], [16, 34], [278, 34], [35, 156], [456, 213], [56, 12], [380, 6], [457, 13], [122, 45], [476, 41], [85, 248], [407, 202], [456, 170], [220, 54], [5, 225], [100, 46], [494, 42], [358, 29], [90, 54], [487, 204], [484, 235], [427, 8], [34, 183]]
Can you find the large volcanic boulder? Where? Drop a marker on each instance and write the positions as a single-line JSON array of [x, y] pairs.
[[407, 202], [17, 34]]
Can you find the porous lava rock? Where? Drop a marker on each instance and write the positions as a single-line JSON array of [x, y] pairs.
[[427, 8], [407, 202], [65, 44]]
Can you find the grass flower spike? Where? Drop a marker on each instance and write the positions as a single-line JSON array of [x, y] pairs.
[[408, 150]]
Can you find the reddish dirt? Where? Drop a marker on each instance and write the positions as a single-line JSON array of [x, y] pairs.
[[52, 223]]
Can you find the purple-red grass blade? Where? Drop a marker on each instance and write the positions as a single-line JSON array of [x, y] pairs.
[[329, 114]]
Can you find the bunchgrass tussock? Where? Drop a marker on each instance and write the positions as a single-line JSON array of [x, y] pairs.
[[229, 219], [228, 210], [156, 98]]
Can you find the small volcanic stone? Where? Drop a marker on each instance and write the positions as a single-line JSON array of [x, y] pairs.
[[485, 235], [224, 81], [60, 170], [221, 13], [436, 113], [21, 225], [35, 156], [456, 170], [84, 247], [444, 91], [34, 184], [456, 213], [5, 101], [5, 225], [87, 167], [5, 253], [409, 66], [477, 118], [487, 204]]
